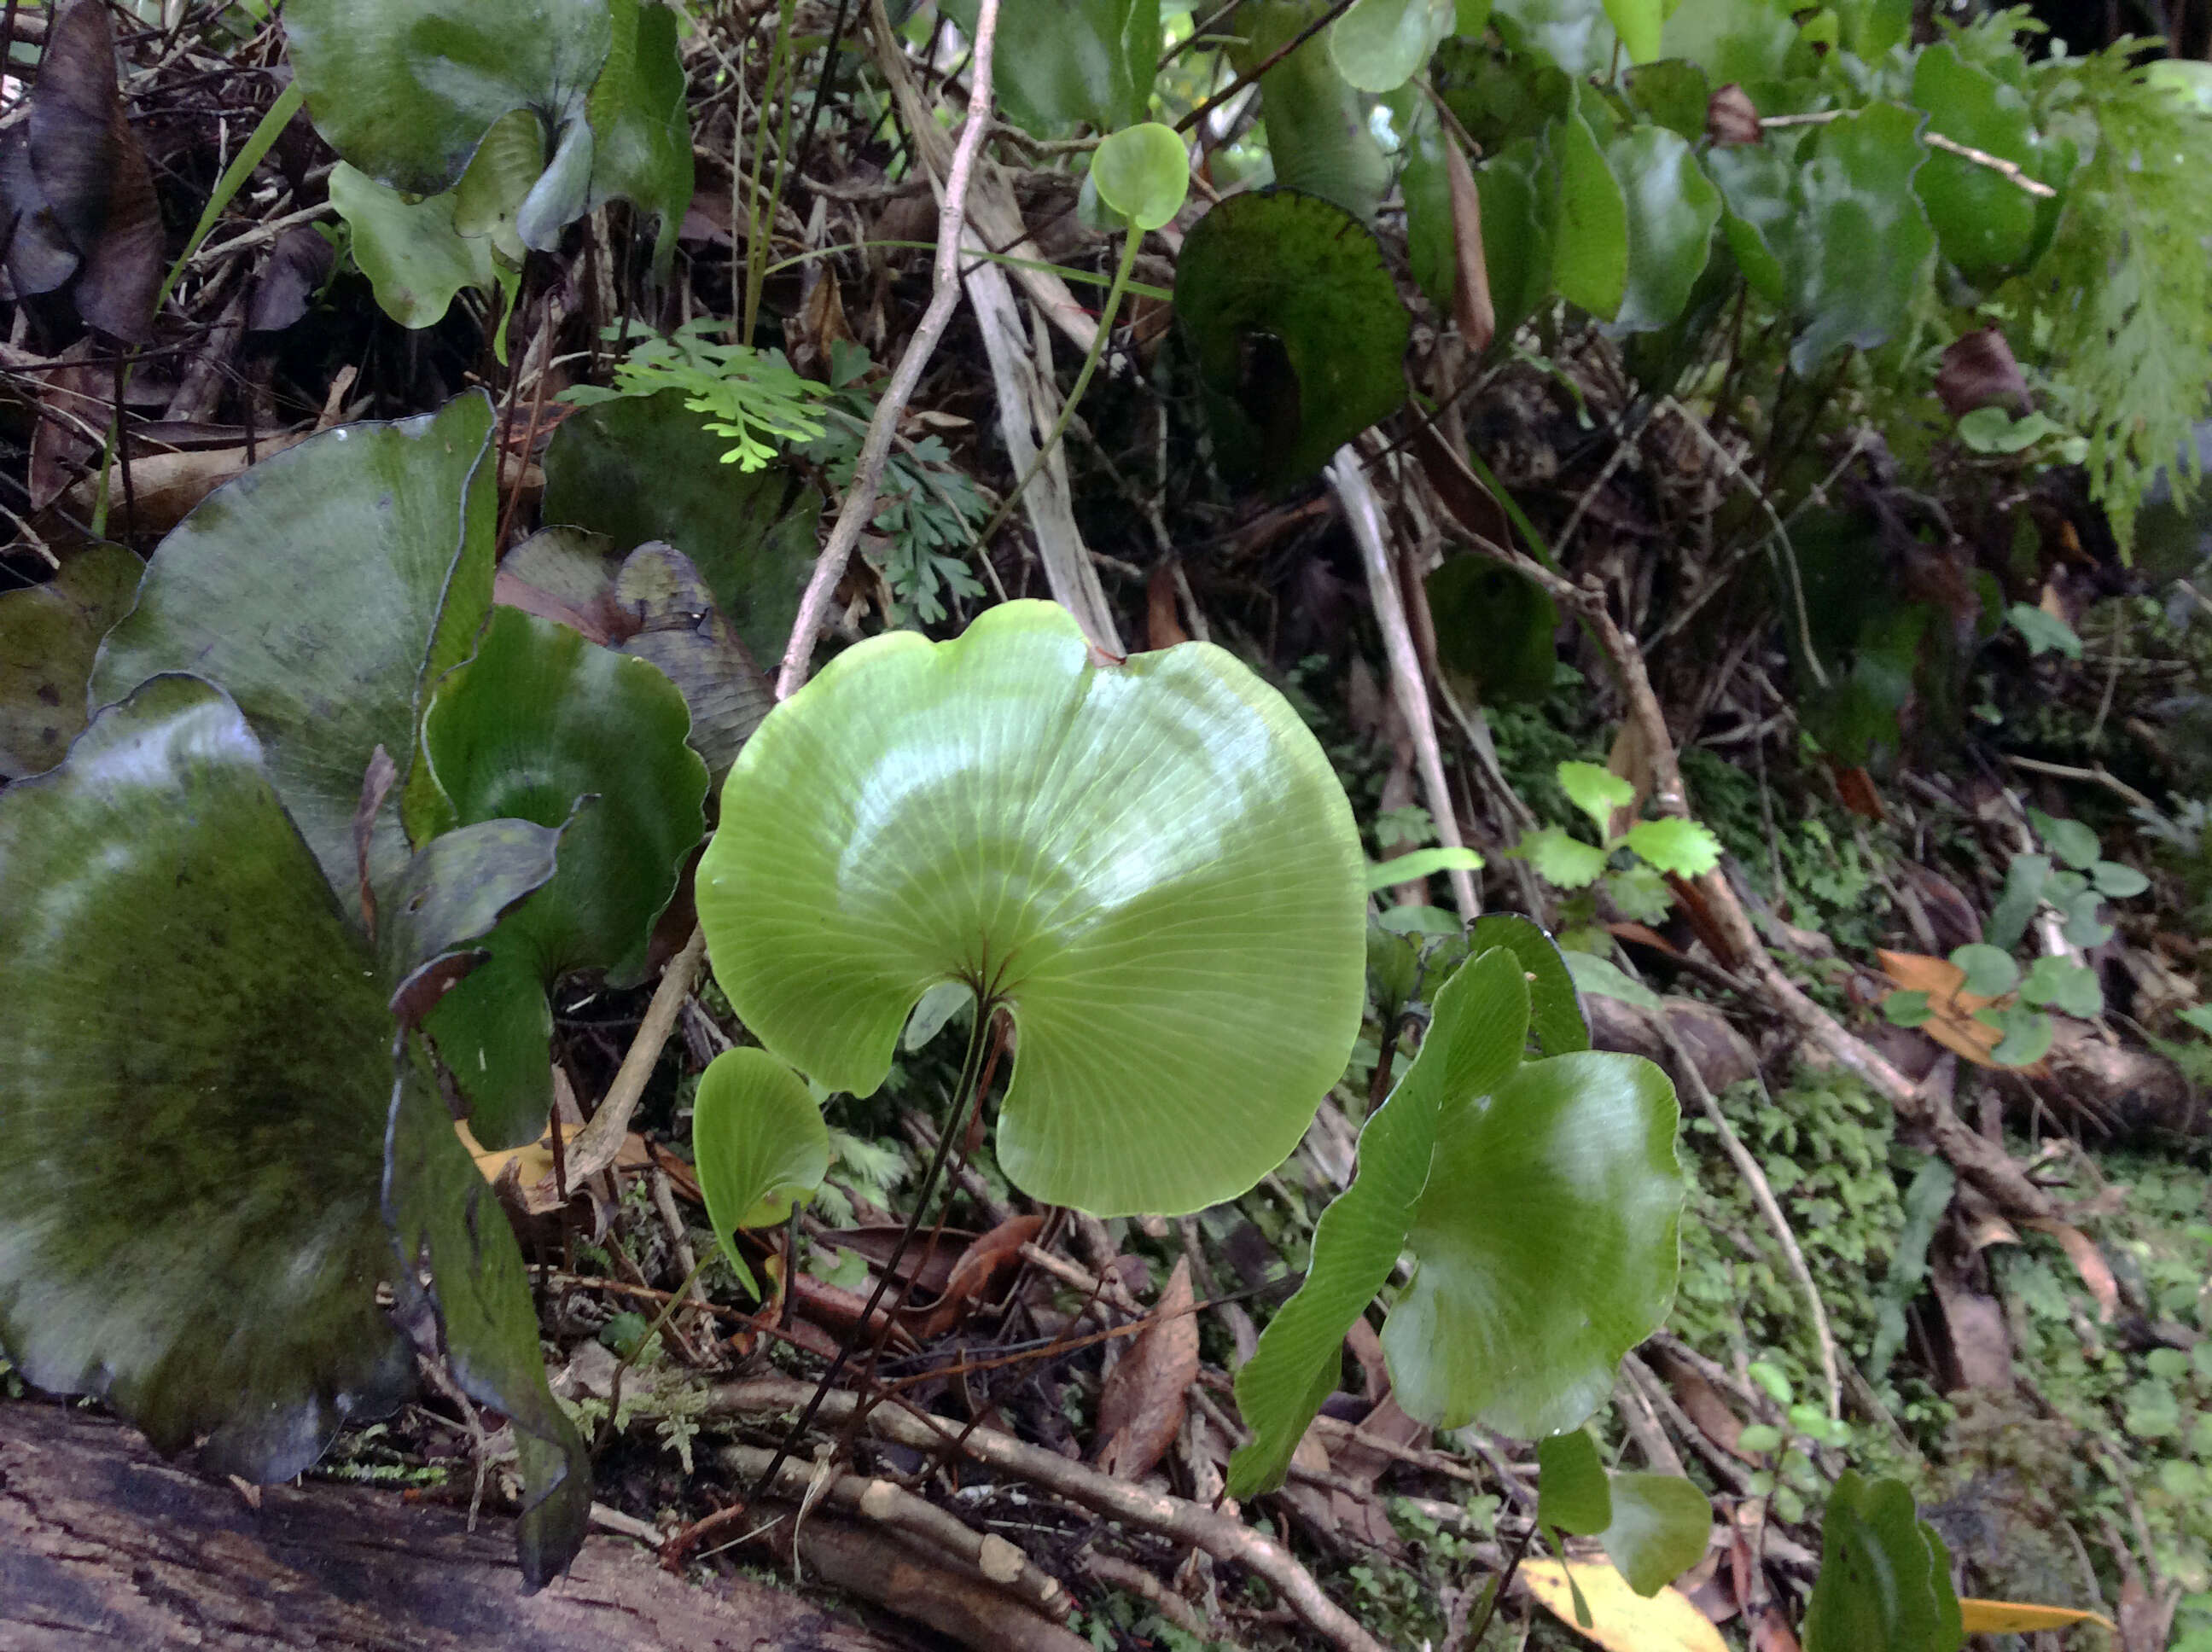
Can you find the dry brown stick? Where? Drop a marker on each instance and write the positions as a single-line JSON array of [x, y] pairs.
[[984, 1556], [860, 506], [1348, 475], [1228, 1541], [596, 1144], [1981, 1162]]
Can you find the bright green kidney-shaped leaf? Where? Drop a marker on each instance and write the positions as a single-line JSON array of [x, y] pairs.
[[1984, 221], [640, 469], [1380, 44], [760, 1143], [1494, 626], [1061, 63], [1682, 848], [1544, 1247], [1319, 141], [324, 591], [1571, 1493], [192, 1090], [1151, 864], [440, 1209], [1143, 173], [48, 637], [1298, 330], [1478, 1023], [411, 251], [1672, 208], [406, 90], [1885, 1575], [1660, 1528], [537, 720], [1596, 791], [1590, 259]]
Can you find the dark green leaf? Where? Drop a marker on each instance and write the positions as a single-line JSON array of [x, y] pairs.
[[639, 469], [1494, 626], [1318, 138], [2027, 1036], [192, 1090], [1544, 1247], [1571, 1493], [1985, 221], [1885, 1575], [1474, 1039], [1674, 92], [1660, 1528], [1672, 208], [2062, 984], [1066, 62], [1555, 1015], [454, 891], [2085, 925], [412, 252], [998, 810], [2118, 881], [642, 128], [539, 719], [1297, 328], [1864, 238], [48, 636], [1907, 1009], [325, 590], [1989, 971], [443, 1210], [2023, 893], [1590, 258], [406, 90], [1517, 233]]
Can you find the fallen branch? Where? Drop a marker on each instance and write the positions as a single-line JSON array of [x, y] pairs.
[[598, 1143], [1226, 1539]]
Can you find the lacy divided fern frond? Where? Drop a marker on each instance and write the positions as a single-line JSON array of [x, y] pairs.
[[752, 397], [2122, 301]]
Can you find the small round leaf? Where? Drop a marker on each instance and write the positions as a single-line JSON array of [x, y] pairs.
[[760, 1144], [1151, 864], [1143, 173]]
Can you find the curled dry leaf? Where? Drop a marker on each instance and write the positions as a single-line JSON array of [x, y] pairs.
[[1621, 1621], [979, 1267], [1143, 1403], [91, 173], [1979, 370], [1471, 304], [2089, 1262], [1730, 117]]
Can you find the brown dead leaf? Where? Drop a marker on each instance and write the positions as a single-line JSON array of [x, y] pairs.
[[1856, 788], [2089, 1262], [1979, 371], [1976, 1351], [1701, 1402], [982, 1262], [1471, 304], [1730, 117], [91, 170], [1142, 1405], [165, 487], [73, 408], [1162, 628], [1951, 1020]]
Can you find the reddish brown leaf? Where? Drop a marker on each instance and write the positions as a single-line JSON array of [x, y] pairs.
[[1701, 1402], [1855, 787], [1731, 118], [1979, 371], [971, 1278], [1142, 1405], [1471, 304], [2089, 1262], [1163, 629]]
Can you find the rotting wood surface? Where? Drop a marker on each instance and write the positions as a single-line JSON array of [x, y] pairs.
[[104, 1545]]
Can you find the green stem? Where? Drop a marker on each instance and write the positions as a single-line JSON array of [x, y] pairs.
[[1131, 240], [759, 203]]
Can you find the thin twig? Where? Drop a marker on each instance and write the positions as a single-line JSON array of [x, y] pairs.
[[1221, 98], [598, 1143], [860, 506], [1361, 508]]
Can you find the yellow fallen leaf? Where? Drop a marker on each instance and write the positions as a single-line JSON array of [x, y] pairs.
[[2017, 1618], [1621, 1621]]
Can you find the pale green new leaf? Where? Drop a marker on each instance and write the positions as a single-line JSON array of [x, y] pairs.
[[1479, 1022], [1596, 792], [1143, 173], [1420, 863], [1380, 44], [1560, 861], [1544, 1247], [1684, 848], [1151, 864], [759, 1144]]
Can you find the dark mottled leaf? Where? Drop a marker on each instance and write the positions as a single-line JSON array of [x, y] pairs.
[[48, 637], [1885, 1575]]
